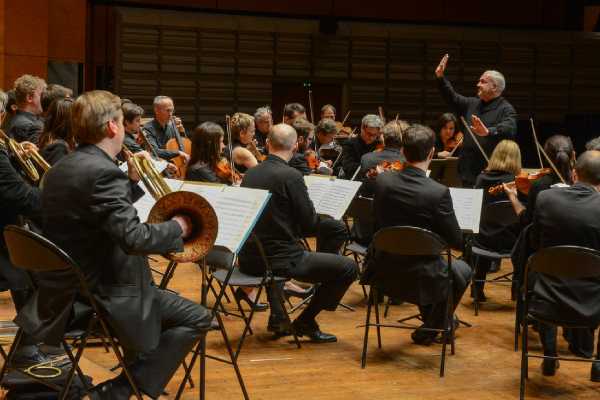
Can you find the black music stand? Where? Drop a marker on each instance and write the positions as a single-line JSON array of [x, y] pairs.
[[445, 171]]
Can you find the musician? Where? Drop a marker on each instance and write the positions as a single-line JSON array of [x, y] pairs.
[[325, 134], [17, 198], [491, 116], [58, 139], [245, 154], [288, 217], [504, 166], [292, 111], [593, 144], [263, 120], [409, 197], [161, 129], [53, 92], [132, 122], [305, 133], [448, 136], [570, 300], [27, 123], [328, 112], [10, 109], [355, 147], [101, 231], [207, 147]]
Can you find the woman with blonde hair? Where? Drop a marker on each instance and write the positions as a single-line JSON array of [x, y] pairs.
[[244, 152]]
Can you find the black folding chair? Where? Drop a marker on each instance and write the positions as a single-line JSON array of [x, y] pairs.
[[410, 241], [36, 254], [498, 216], [566, 262]]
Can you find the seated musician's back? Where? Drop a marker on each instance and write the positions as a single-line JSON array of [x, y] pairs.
[[410, 198], [290, 216]]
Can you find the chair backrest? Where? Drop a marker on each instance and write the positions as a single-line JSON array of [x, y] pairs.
[[34, 253], [570, 262], [409, 241], [498, 214], [361, 208]]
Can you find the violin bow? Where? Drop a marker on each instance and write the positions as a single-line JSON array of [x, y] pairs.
[[310, 104], [283, 113], [380, 110], [536, 141], [456, 146], [468, 128], [345, 118], [541, 149], [229, 144]]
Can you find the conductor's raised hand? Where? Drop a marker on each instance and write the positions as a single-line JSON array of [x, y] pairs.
[[439, 71], [478, 127]]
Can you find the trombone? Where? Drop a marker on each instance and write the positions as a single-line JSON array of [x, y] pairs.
[[28, 159], [170, 203]]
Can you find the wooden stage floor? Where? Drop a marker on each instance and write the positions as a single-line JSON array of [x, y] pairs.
[[484, 367]]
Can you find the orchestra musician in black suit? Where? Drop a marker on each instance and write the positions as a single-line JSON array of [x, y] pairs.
[[87, 210], [288, 217], [568, 216], [410, 198], [355, 147]]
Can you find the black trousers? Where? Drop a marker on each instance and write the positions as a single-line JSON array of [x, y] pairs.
[[183, 323], [333, 273], [433, 314], [581, 341]]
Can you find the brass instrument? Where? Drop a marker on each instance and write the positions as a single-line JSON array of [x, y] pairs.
[[28, 160], [169, 203]]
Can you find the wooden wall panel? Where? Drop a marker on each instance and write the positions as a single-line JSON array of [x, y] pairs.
[[66, 30]]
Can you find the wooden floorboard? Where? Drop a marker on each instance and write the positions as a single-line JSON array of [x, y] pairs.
[[484, 367]]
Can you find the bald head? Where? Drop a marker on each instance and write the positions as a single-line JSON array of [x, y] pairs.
[[588, 167], [282, 137]]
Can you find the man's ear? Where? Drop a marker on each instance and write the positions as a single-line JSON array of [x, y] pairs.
[[431, 153], [111, 129]]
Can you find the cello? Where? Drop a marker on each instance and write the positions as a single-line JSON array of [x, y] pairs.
[[179, 143]]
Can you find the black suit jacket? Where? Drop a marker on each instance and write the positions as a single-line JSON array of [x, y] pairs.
[[410, 198], [498, 115], [25, 126], [88, 212], [352, 151], [567, 216]]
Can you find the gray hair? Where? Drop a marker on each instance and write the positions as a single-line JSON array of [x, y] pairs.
[[260, 111], [283, 137], [160, 99], [498, 79], [3, 101], [371, 121]]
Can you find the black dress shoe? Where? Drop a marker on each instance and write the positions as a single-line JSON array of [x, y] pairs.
[[423, 337], [595, 374], [279, 327], [241, 295], [113, 389], [302, 294], [311, 329], [549, 367]]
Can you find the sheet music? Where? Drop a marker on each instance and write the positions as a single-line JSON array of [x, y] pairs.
[[144, 204], [467, 207], [331, 196]]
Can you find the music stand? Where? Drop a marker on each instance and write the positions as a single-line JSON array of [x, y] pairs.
[[445, 171]]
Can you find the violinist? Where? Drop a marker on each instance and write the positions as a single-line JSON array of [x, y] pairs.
[[162, 128], [448, 136], [325, 135], [305, 159], [328, 112], [206, 162], [291, 111], [263, 120], [354, 148], [245, 154], [504, 166], [392, 152]]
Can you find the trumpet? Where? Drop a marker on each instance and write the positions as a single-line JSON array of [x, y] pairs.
[[28, 160], [169, 204]]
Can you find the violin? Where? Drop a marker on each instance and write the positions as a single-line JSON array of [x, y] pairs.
[[224, 172], [311, 159], [385, 166], [453, 142], [523, 182], [342, 129]]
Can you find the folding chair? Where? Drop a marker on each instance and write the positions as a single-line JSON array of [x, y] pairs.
[[36, 254], [497, 216], [566, 262], [410, 241]]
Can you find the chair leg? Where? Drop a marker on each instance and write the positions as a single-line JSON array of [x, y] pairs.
[[474, 283], [247, 328], [188, 371], [524, 366], [287, 316], [363, 361], [242, 312], [387, 307], [11, 353], [376, 305], [233, 357]]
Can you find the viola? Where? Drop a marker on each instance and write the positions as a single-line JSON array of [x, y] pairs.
[[385, 166], [523, 182], [224, 172]]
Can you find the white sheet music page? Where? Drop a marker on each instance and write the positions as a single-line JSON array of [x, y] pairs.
[[144, 204], [331, 196], [467, 207]]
